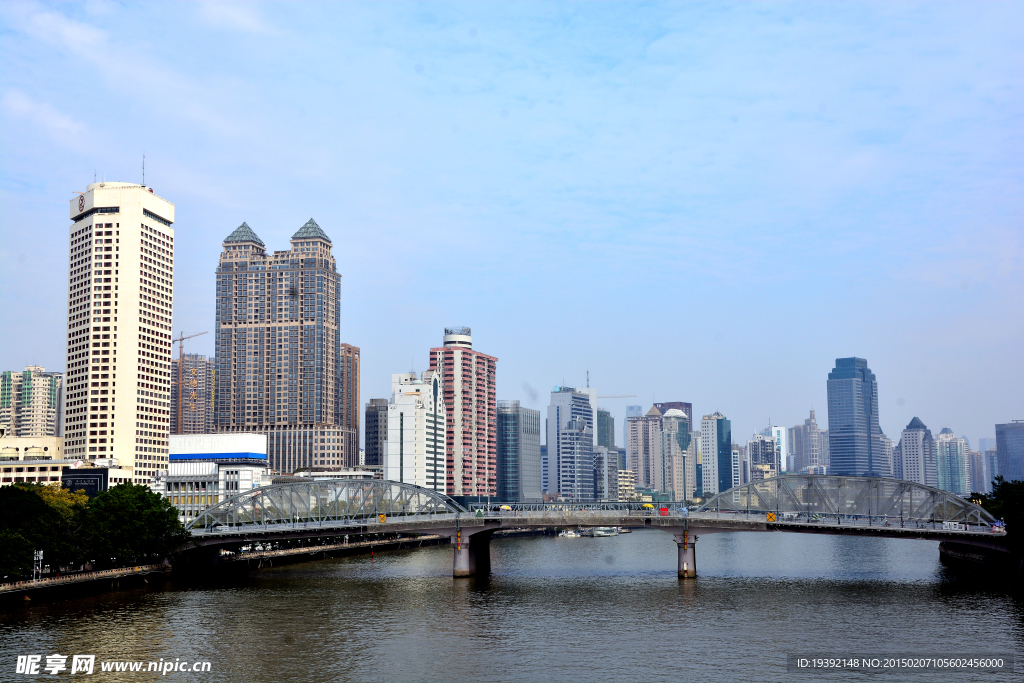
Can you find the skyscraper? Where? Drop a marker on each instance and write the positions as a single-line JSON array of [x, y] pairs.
[[719, 472], [348, 400], [416, 430], [469, 379], [519, 476], [687, 409], [805, 445], [952, 463], [576, 460], [853, 419], [197, 376], [605, 429], [1010, 450], [31, 402], [120, 284], [917, 454], [376, 434], [675, 470], [643, 445], [279, 354], [763, 455], [567, 403]]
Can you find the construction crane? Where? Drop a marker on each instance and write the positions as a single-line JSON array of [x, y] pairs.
[[181, 369], [620, 396]]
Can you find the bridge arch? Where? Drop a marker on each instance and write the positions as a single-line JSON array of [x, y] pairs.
[[324, 503], [805, 495]]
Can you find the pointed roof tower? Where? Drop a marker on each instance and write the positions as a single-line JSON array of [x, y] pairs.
[[916, 424], [311, 231], [243, 233]]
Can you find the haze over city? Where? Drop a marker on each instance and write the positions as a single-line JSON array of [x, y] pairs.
[[695, 203]]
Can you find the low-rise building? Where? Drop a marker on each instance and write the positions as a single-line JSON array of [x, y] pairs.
[[206, 469]]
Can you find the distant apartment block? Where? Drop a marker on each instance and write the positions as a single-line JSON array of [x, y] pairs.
[[31, 402]]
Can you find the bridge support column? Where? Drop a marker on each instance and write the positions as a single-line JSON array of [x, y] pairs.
[[472, 554], [686, 542]]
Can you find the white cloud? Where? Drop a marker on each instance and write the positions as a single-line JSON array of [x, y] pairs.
[[235, 16], [58, 126]]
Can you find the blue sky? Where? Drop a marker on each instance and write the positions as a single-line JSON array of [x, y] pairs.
[[698, 202]]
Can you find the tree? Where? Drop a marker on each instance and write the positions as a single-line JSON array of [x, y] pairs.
[[129, 523], [27, 524], [1006, 502]]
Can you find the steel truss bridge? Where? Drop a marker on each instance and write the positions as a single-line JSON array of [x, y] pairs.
[[822, 504]]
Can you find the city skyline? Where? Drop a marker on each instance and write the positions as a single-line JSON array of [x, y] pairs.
[[777, 194]]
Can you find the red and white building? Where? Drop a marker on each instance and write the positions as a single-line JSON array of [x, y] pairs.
[[471, 447]]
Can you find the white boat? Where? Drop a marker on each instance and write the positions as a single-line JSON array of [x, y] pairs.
[[605, 531], [569, 533], [625, 530]]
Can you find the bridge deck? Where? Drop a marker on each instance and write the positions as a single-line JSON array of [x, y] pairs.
[[698, 522]]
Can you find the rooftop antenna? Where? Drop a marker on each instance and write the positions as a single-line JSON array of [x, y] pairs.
[[588, 378], [143, 169], [94, 175]]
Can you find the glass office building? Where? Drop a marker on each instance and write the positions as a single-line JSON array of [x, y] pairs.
[[518, 453], [853, 429]]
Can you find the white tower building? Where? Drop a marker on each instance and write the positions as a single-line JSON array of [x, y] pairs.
[[120, 294], [416, 431]]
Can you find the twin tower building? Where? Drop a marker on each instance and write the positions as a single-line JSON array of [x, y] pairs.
[[281, 368]]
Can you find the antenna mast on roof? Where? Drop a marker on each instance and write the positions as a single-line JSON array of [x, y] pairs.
[[143, 169]]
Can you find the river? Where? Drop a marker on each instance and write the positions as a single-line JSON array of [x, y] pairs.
[[553, 609]]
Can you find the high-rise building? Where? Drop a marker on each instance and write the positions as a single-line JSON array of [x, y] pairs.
[[416, 430], [917, 454], [780, 434], [643, 445], [976, 471], [567, 404], [675, 470], [31, 402], [605, 429], [120, 285], [631, 411], [376, 434], [576, 460], [826, 460], [719, 472], [952, 463], [348, 400], [853, 419], [518, 453], [805, 445], [986, 443], [470, 398], [687, 409], [279, 354], [196, 402], [763, 455], [887, 454], [991, 468], [1010, 450]]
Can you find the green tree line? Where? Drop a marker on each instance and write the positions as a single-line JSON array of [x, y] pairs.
[[128, 524]]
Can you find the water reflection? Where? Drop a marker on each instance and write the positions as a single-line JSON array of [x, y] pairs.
[[595, 609]]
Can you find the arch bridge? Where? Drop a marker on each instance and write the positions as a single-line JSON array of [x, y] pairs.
[[822, 504]]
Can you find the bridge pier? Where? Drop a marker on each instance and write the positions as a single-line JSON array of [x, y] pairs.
[[686, 542], [472, 554]]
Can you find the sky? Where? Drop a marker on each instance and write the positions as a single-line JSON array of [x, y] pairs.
[[691, 202]]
